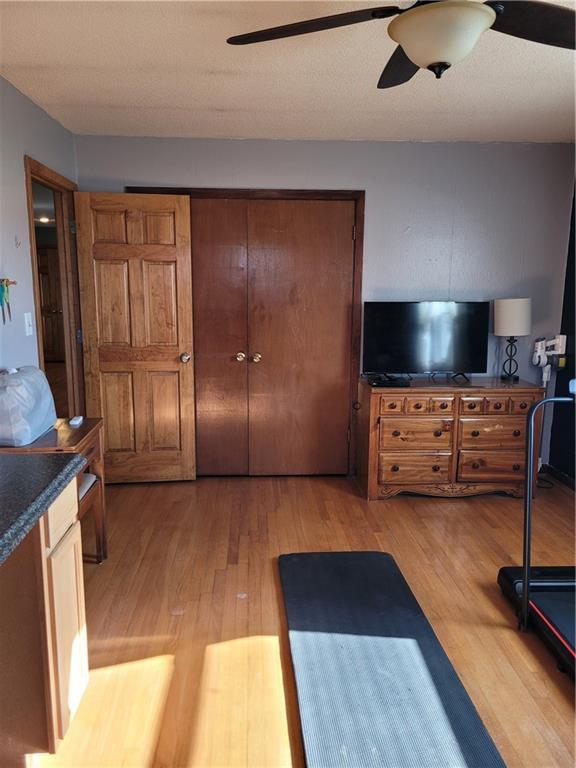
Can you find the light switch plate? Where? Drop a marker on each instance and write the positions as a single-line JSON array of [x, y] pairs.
[[28, 323]]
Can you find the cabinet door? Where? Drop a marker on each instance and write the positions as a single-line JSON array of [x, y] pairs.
[[68, 626]]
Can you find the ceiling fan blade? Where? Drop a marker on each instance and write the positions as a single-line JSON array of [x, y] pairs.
[[398, 70], [540, 22], [314, 25]]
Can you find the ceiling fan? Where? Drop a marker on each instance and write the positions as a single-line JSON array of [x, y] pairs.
[[435, 34]]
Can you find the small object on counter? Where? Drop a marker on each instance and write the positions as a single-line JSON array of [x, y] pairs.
[[75, 421]]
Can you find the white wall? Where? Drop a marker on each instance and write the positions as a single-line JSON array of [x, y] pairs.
[[25, 129]]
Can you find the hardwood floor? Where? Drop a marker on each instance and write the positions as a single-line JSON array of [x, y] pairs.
[[188, 649]]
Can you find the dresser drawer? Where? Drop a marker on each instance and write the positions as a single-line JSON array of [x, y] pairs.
[[403, 468], [412, 434], [496, 404], [61, 514], [472, 405], [391, 404], [442, 405], [521, 404], [417, 405], [487, 466], [491, 432]]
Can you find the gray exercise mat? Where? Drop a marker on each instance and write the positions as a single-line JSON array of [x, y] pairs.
[[375, 687]]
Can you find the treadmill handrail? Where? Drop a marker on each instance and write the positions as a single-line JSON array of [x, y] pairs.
[[528, 489]]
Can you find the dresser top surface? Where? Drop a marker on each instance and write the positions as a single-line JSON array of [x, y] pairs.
[[483, 384]]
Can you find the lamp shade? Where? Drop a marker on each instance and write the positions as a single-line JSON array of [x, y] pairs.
[[512, 317], [441, 32]]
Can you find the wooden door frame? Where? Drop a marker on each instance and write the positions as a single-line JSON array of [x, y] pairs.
[[356, 196], [63, 190]]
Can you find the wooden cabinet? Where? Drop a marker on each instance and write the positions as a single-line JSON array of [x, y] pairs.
[[65, 592], [87, 441], [44, 652], [443, 439]]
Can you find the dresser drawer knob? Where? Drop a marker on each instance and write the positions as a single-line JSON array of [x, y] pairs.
[[396, 433], [523, 406], [497, 406], [437, 433], [475, 465], [436, 468], [392, 406], [394, 467], [516, 433], [516, 467], [475, 433], [418, 406], [471, 406], [443, 406]]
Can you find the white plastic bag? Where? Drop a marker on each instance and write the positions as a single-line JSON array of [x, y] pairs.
[[26, 406]]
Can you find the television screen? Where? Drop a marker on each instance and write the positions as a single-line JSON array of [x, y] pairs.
[[425, 336]]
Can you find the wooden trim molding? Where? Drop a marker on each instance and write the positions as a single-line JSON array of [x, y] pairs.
[[63, 190], [548, 469], [358, 196], [45, 175], [252, 194]]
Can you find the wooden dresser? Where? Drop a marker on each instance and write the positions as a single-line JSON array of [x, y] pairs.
[[443, 439]]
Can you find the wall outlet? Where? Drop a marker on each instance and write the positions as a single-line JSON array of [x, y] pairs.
[[28, 323]]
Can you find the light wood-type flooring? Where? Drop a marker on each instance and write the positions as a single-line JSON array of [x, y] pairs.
[[188, 649]]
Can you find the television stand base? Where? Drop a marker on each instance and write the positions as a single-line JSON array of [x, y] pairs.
[[384, 380], [459, 377]]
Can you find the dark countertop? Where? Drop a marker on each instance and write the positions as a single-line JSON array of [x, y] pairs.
[[29, 483]]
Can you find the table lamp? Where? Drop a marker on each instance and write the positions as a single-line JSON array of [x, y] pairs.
[[512, 318]]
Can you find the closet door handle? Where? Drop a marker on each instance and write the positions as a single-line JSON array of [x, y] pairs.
[[240, 356], [256, 357]]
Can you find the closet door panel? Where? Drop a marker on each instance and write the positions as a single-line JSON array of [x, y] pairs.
[[300, 293], [219, 255]]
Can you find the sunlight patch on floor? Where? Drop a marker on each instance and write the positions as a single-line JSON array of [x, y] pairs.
[[241, 713], [118, 720]]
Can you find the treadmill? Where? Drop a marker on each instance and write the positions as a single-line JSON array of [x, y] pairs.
[[543, 595]]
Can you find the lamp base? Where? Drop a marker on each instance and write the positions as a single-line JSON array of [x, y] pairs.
[[510, 365]]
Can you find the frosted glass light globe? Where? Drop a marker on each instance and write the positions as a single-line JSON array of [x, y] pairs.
[[443, 32]]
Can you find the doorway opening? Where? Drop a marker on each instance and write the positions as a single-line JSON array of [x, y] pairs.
[[55, 273], [49, 283]]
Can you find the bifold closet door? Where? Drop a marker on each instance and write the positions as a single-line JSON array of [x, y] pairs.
[[219, 253], [273, 293], [300, 292]]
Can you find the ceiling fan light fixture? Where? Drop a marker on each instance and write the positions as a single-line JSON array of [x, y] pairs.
[[445, 31]]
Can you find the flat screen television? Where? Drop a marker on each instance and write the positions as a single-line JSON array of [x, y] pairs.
[[425, 337]]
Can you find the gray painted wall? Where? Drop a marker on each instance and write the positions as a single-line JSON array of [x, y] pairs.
[[459, 221], [25, 129]]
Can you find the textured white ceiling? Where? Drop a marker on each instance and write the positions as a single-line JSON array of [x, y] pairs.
[[164, 69]]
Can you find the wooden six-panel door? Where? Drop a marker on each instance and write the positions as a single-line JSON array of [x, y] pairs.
[[136, 298], [273, 297]]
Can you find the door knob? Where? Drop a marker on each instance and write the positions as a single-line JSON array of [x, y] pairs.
[[240, 356], [185, 357], [256, 357]]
